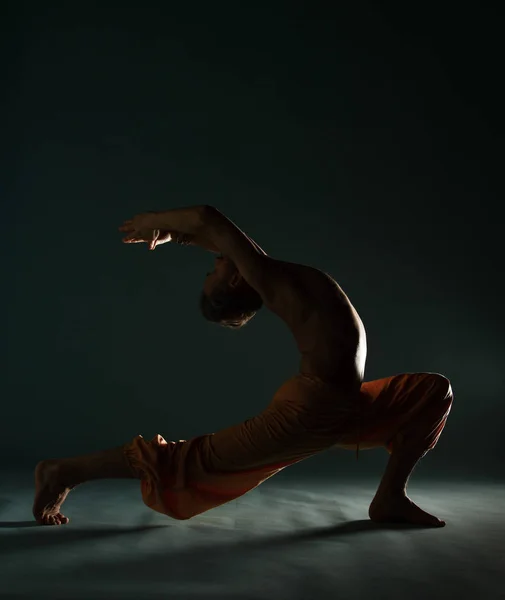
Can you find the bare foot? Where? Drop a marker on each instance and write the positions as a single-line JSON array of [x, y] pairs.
[[401, 509], [50, 493]]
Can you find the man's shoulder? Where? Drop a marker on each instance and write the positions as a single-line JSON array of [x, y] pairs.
[[283, 280], [296, 291], [303, 280], [310, 301]]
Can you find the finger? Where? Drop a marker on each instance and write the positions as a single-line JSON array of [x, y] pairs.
[[156, 235]]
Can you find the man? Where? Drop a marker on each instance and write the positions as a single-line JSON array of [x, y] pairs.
[[326, 404]]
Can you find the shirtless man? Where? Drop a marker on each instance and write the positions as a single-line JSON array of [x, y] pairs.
[[326, 404]]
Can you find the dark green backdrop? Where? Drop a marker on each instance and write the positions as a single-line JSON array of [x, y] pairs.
[[360, 140]]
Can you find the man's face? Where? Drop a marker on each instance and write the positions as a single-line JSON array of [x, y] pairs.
[[224, 270]]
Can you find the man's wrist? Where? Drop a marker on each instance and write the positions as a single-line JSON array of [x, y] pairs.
[[156, 219], [187, 220]]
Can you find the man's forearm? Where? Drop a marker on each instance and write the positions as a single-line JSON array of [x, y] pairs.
[[188, 220], [201, 225], [187, 239]]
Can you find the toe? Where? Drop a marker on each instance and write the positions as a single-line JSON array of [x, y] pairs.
[[63, 519], [50, 520], [436, 521]]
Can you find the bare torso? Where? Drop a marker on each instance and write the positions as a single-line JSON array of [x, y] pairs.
[[327, 328]]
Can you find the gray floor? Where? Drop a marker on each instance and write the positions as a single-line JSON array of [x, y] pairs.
[[288, 539]]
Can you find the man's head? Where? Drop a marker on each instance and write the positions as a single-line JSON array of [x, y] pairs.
[[227, 299]]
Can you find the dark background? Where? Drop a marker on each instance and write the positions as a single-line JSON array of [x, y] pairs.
[[363, 139]]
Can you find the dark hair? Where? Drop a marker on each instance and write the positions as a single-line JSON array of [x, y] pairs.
[[231, 307]]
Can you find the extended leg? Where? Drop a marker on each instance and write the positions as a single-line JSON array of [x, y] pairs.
[[55, 478], [391, 503]]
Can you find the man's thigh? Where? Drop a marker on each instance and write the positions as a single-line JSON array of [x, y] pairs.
[[305, 417], [386, 405]]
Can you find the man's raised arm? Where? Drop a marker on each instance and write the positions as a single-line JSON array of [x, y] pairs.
[[214, 230], [180, 225], [202, 226], [204, 222]]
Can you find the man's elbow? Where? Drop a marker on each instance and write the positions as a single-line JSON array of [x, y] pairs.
[[210, 217], [207, 211]]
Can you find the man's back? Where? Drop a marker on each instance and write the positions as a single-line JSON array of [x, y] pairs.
[[328, 331]]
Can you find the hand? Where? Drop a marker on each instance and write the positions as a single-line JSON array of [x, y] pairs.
[[142, 229], [145, 228]]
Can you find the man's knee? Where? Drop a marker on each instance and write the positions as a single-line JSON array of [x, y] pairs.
[[436, 406], [442, 384], [442, 389]]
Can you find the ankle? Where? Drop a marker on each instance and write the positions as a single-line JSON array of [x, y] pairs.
[[67, 473], [391, 491]]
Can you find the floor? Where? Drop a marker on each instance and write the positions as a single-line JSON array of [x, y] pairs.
[[288, 539]]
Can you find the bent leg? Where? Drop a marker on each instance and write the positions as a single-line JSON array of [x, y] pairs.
[[413, 439]]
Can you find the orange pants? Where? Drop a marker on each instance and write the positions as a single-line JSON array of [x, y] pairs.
[[306, 416]]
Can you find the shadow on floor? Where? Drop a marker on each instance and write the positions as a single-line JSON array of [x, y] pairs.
[[57, 535], [17, 524]]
